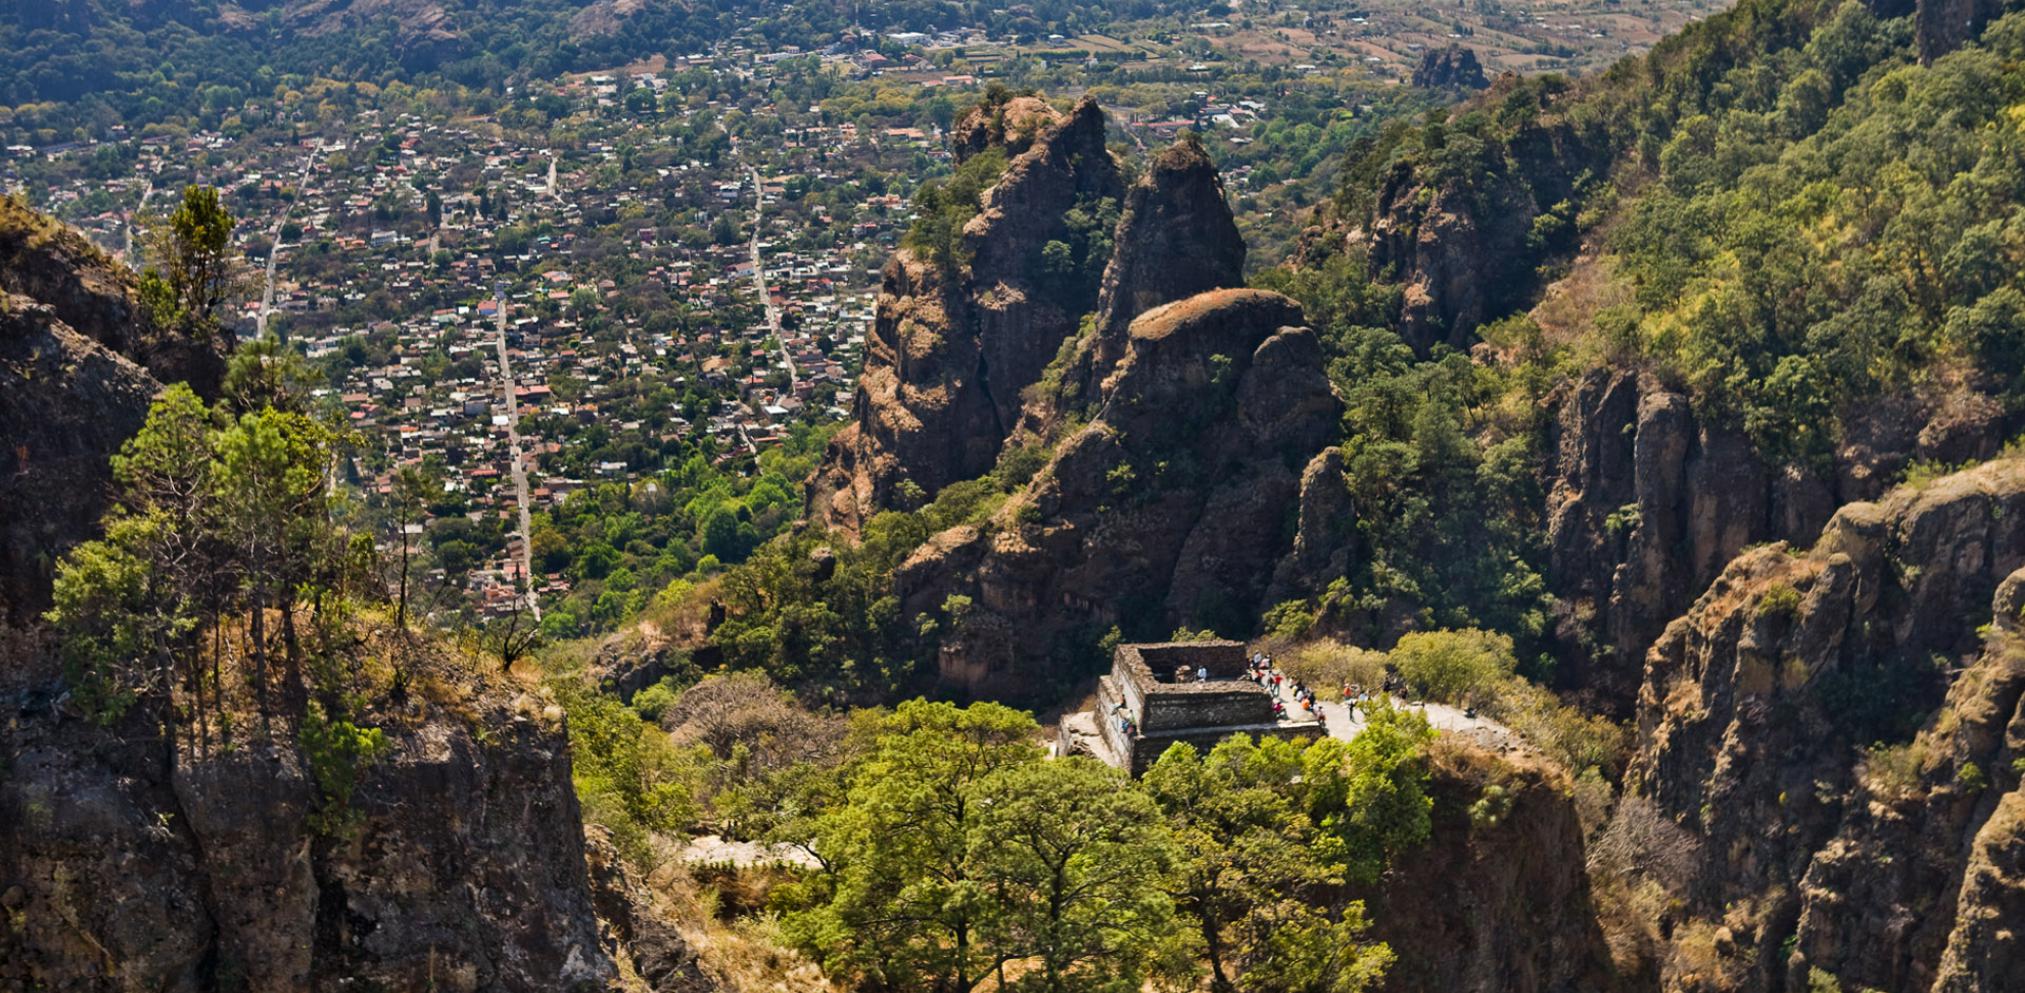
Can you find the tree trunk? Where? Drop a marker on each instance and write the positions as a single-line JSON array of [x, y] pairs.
[[259, 634], [296, 692], [1212, 944]]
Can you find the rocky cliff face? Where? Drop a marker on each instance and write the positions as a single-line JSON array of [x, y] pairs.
[[1171, 507], [1451, 68], [66, 404], [1496, 902], [1176, 238], [950, 352], [1460, 249], [1942, 26], [131, 863], [465, 869], [95, 296], [79, 366], [1881, 864], [1647, 502], [463, 866]]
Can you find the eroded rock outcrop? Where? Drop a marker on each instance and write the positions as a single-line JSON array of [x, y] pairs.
[[1496, 900], [461, 866], [1776, 724], [1452, 67], [1462, 247], [95, 296], [1176, 238], [79, 366], [1013, 125], [1648, 501], [1924, 864], [641, 923], [67, 403], [951, 351], [1941, 26], [1171, 507]]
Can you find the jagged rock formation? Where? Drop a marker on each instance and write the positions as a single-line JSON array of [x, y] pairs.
[[465, 869], [66, 404], [1450, 68], [1460, 251], [79, 366], [1888, 870], [641, 655], [1495, 903], [86, 289], [949, 352], [1912, 892], [1171, 507], [1013, 126], [1175, 239], [1647, 502], [656, 951], [130, 862], [1325, 532]]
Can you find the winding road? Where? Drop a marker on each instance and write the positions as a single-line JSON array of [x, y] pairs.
[[274, 246], [759, 279], [519, 470]]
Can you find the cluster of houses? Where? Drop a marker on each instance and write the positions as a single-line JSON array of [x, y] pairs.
[[407, 245]]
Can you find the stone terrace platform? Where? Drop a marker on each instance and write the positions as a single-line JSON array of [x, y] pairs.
[[1155, 687]]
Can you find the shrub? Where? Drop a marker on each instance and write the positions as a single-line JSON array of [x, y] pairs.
[[652, 702], [1328, 665], [338, 753], [1781, 600], [1893, 771], [1455, 667]]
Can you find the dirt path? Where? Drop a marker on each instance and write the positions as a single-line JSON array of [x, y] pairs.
[[1442, 717], [274, 243], [713, 850], [759, 279], [506, 385]]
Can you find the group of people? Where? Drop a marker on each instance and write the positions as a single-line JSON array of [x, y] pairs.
[[1287, 692], [1262, 671]]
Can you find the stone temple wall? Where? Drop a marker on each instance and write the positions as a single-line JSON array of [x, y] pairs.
[[1145, 676], [1097, 732]]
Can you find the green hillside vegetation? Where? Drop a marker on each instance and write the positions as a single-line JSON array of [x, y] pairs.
[[1794, 217], [1736, 198]]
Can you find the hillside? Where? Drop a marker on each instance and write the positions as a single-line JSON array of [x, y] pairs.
[[228, 761], [139, 62], [1595, 344], [1663, 421]]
